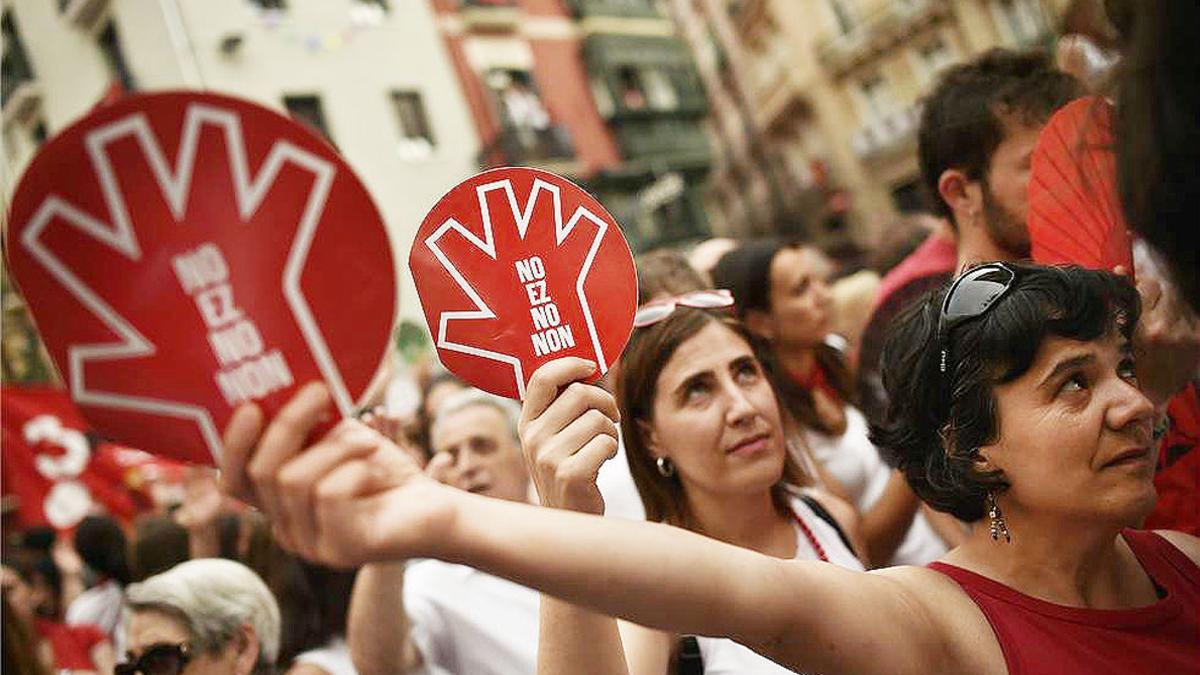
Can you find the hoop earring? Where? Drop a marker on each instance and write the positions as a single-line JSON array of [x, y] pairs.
[[666, 468], [996, 525]]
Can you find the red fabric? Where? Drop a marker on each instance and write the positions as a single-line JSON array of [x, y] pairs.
[[72, 645], [936, 255], [1178, 478], [46, 448], [1041, 637], [817, 380]]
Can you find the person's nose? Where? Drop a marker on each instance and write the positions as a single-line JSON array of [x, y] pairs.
[[1131, 410], [739, 409]]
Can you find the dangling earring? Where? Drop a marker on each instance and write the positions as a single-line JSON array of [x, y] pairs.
[[996, 525], [666, 468]]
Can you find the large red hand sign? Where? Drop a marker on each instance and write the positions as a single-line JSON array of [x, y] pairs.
[[516, 267], [184, 252]]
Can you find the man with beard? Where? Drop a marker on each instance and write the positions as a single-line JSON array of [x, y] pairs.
[[978, 130]]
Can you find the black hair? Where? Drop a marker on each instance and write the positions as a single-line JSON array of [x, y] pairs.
[[159, 543], [1157, 137], [936, 422], [666, 270], [101, 544], [746, 272], [962, 120]]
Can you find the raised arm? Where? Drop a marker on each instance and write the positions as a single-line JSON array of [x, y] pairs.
[[354, 497], [377, 627], [568, 430]]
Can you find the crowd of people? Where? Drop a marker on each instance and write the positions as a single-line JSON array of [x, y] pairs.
[[946, 459]]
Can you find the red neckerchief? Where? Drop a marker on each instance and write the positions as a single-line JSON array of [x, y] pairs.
[[816, 380]]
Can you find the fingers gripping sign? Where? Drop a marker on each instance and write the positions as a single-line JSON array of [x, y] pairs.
[[568, 430], [330, 499]]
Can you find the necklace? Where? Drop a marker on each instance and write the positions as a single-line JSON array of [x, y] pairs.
[[812, 539]]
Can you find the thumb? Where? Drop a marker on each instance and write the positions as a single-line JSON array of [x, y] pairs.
[[439, 467]]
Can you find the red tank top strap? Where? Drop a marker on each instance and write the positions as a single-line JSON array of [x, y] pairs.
[[1167, 565]]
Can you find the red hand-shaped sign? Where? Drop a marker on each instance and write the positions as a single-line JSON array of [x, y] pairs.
[[516, 267], [184, 252]]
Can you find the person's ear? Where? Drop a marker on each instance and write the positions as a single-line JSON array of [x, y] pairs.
[[985, 459], [760, 323], [649, 437], [963, 195], [248, 648]]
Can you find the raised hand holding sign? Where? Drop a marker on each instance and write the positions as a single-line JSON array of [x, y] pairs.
[[516, 267], [182, 253]]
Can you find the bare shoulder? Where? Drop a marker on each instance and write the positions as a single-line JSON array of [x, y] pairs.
[[1186, 543], [954, 617], [841, 510]]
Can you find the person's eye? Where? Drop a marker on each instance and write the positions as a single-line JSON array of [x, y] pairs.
[[746, 372], [1128, 370], [695, 391], [1074, 383]]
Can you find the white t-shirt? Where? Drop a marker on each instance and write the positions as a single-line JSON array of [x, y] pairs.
[[855, 462], [621, 498], [726, 657], [467, 621], [102, 605], [333, 658]]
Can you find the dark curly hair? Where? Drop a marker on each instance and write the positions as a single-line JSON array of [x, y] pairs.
[[962, 119], [936, 422]]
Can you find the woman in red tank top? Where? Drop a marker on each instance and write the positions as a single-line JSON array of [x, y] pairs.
[[1014, 404]]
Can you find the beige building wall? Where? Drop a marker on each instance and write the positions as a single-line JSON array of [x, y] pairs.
[[835, 87], [343, 51]]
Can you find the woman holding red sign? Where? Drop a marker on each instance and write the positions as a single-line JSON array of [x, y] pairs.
[[1013, 401], [706, 444]]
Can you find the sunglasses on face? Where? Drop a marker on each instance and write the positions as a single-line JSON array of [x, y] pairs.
[[158, 659], [971, 295], [656, 310]]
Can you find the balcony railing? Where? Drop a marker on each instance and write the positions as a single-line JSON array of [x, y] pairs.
[[878, 33], [527, 146], [490, 15], [889, 133]]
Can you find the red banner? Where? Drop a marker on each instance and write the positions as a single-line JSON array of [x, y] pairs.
[[57, 475]]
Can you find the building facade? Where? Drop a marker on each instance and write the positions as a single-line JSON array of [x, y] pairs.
[[816, 102], [601, 91], [371, 75]]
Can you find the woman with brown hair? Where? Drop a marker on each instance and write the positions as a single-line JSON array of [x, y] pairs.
[[705, 440]]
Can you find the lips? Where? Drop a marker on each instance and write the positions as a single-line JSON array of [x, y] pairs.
[[749, 445], [1130, 456]]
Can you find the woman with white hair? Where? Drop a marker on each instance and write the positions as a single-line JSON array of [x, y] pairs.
[[202, 616]]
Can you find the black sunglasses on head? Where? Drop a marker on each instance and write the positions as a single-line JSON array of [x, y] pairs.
[[158, 659], [971, 295]]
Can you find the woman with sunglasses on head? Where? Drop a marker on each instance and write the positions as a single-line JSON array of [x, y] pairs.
[[203, 617], [705, 439], [1032, 423], [782, 294]]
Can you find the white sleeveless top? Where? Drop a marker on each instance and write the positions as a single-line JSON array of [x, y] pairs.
[[855, 462], [726, 657]]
